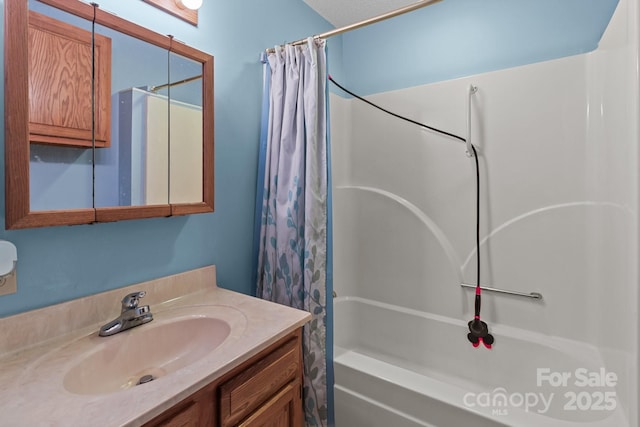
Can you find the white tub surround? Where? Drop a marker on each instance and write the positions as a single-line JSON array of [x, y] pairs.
[[37, 351], [558, 145]]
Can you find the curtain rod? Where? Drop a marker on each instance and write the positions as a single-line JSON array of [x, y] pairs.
[[179, 82], [373, 20]]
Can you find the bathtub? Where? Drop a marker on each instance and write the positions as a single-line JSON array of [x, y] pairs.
[[405, 368]]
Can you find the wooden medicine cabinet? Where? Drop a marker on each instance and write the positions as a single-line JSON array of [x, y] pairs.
[[104, 120]]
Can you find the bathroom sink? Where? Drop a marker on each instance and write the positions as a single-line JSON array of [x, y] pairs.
[[144, 354]]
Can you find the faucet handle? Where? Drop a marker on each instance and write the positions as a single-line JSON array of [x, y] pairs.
[[132, 300]]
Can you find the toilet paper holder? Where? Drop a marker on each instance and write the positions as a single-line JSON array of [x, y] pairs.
[[5, 278], [8, 267]]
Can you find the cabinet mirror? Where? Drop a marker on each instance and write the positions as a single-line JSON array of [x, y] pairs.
[[104, 120]]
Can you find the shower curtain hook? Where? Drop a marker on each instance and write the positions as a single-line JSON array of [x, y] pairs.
[[472, 90]]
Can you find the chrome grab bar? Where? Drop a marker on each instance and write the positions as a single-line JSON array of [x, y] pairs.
[[534, 295]]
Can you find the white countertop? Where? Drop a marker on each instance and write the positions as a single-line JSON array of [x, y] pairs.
[[32, 387]]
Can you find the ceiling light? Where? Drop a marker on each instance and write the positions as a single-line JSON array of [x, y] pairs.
[[189, 4]]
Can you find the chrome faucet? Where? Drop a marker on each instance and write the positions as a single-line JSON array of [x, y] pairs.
[[130, 317]]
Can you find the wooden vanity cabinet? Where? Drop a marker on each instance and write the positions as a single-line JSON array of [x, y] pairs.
[[60, 84], [265, 391]]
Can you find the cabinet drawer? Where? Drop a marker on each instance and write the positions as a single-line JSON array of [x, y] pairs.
[[248, 390]]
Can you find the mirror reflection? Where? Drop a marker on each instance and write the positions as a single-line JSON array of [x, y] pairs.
[[124, 173], [185, 136], [151, 154], [60, 112]]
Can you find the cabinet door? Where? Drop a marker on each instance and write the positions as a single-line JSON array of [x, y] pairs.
[[60, 84], [197, 410], [283, 410], [188, 416]]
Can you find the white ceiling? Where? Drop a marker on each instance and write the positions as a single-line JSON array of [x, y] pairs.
[[345, 12]]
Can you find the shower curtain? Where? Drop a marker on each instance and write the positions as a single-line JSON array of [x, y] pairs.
[[293, 203]]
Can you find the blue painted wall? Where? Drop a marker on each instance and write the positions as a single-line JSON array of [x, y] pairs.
[[61, 263], [456, 38]]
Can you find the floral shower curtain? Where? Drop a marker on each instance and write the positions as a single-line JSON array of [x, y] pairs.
[[293, 199]]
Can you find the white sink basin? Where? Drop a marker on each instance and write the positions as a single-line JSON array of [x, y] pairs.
[[144, 353]]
